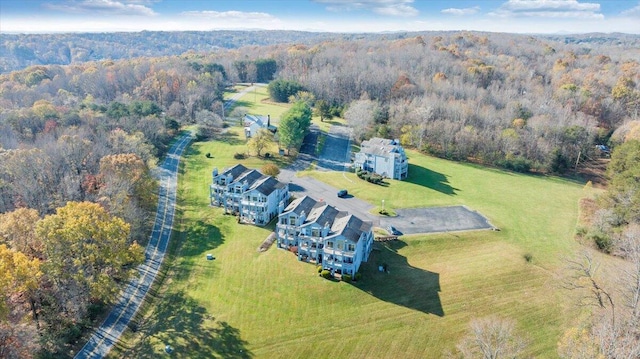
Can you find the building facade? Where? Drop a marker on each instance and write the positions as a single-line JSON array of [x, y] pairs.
[[319, 233], [384, 157], [247, 193]]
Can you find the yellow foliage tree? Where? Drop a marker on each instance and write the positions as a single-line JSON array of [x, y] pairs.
[[86, 250]]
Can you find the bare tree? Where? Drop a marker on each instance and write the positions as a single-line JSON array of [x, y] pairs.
[[492, 338]]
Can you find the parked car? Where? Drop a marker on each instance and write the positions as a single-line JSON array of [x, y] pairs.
[[393, 231], [342, 193]]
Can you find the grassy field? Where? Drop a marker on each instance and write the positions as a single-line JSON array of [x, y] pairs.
[[268, 305]]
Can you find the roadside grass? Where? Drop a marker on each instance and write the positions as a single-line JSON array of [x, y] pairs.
[[269, 305]]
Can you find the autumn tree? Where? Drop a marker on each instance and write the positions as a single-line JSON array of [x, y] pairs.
[[270, 170], [87, 254], [18, 274], [127, 191], [492, 338], [261, 140], [18, 230], [294, 124], [361, 116]]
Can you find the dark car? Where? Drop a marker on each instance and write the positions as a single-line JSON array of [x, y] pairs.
[[393, 231], [342, 193]]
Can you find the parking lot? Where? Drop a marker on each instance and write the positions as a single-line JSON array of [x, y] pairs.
[[334, 155]]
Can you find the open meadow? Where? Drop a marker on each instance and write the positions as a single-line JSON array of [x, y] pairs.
[[269, 305]]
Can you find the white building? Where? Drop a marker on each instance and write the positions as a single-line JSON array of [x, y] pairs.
[[253, 124], [384, 157], [254, 197], [319, 233]]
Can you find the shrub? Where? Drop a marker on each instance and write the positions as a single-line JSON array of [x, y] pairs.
[[325, 274], [601, 240], [208, 155], [319, 269], [239, 156], [346, 278], [357, 276], [528, 257]]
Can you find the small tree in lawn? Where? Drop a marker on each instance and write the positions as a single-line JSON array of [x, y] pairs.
[[270, 170], [294, 124], [323, 109], [260, 141]]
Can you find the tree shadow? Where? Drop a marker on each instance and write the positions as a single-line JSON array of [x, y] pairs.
[[200, 237], [401, 283], [182, 323], [430, 179], [230, 138]]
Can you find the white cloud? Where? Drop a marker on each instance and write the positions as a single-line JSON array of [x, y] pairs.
[[231, 15], [382, 7], [549, 9], [461, 12], [633, 12], [110, 7]]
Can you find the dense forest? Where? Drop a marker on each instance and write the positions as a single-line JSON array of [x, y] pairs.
[[80, 141]]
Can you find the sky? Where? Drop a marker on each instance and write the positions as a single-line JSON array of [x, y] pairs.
[[515, 16]]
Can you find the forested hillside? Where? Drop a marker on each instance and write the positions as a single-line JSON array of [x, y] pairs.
[[18, 51], [82, 139]]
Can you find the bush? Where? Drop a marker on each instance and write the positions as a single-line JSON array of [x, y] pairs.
[[208, 155], [325, 274], [602, 240], [357, 276], [319, 269], [346, 278], [239, 156], [528, 257]]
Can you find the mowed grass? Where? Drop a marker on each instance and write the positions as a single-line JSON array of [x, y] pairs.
[[536, 213], [269, 305]]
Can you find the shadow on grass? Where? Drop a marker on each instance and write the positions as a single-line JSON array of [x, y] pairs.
[[402, 284], [196, 240], [430, 179], [192, 333], [230, 138]]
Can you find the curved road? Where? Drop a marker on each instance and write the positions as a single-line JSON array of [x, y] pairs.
[[107, 335], [115, 324]]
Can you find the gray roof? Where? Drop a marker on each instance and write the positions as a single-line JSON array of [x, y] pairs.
[[381, 147], [299, 205], [267, 184], [350, 227], [340, 222], [235, 171]]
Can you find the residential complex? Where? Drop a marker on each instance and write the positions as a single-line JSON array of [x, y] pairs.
[[384, 157], [319, 233], [254, 197]]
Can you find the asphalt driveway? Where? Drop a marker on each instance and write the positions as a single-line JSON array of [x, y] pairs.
[[335, 154]]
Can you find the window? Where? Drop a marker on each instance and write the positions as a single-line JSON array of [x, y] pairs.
[[340, 245], [315, 232], [351, 247], [330, 245], [292, 221]]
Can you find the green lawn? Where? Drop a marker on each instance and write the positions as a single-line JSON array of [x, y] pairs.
[[269, 305]]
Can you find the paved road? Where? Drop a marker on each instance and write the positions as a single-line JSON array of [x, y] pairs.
[[335, 154], [116, 322], [110, 330], [336, 150]]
